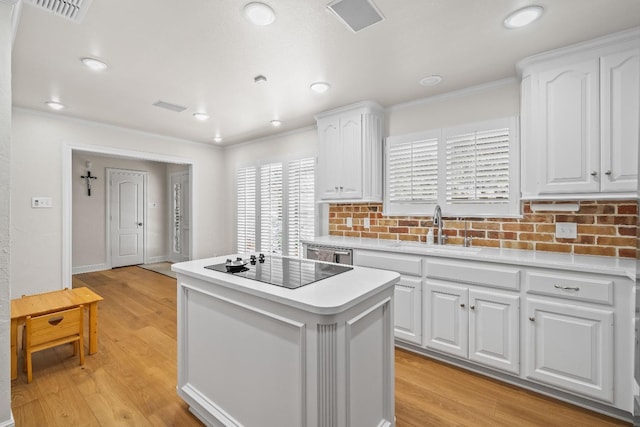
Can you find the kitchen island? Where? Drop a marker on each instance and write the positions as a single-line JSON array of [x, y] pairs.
[[255, 354]]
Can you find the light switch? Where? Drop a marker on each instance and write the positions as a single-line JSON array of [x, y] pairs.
[[367, 223], [566, 230], [41, 202], [349, 222]]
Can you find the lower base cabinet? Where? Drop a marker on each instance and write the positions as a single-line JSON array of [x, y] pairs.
[[481, 326], [571, 347], [408, 310]]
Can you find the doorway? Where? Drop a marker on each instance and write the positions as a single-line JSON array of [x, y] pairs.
[[126, 216], [180, 205]]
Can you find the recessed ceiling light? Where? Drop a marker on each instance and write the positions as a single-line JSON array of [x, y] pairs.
[[54, 105], [259, 14], [201, 116], [217, 139], [276, 123], [431, 80], [523, 17], [94, 64], [320, 87]]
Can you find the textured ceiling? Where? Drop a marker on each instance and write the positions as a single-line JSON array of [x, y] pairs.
[[202, 54]]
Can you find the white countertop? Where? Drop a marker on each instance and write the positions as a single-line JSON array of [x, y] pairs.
[[328, 296], [584, 263]]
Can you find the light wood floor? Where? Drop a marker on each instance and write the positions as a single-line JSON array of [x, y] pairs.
[[132, 379]]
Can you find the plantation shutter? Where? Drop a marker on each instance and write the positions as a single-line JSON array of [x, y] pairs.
[[477, 166], [271, 208], [301, 203], [412, 171], [246, 210]]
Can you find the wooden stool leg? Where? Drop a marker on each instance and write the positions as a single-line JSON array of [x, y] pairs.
[[29, 366]]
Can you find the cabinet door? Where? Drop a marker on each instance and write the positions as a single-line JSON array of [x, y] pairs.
[[494, 338], [620, 103], [351, 156], [571, 347], [408, 310], [567, 118], [329, 163], [446, 318]]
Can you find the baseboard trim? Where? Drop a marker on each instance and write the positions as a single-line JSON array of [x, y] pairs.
[[154, 259], [11, 422], [88, 269]]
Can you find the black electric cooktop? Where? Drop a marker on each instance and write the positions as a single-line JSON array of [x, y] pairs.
[[286, 272]]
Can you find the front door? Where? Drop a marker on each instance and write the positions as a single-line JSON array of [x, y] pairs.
[[126, 193]]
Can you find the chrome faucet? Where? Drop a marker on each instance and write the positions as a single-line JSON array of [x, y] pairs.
[[437, 221]]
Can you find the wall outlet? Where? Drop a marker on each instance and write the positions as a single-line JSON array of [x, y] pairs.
[[41, 202], [367, 223], [349, 222], [566, 230]]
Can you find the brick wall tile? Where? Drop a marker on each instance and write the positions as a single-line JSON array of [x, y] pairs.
[[536, 237], [409, 237], [627, 231], [553, 247], [616, 241], [628, 209], [597, 229], [489, 243], [594, 250], [513, 244], [510, 226], [627, 253]]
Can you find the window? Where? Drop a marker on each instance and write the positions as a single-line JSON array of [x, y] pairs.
[[285, 195], [467, 170]]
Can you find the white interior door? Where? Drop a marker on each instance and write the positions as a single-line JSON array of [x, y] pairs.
[[180, 227], [126, 215]]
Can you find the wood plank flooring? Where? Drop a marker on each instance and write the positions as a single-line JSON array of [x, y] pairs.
[[131, 381]]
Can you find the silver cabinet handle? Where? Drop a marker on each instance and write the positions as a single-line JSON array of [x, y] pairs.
[[472, 307], [594, 173], [567, 288], [533, 319], [462, 305], [608, 172]]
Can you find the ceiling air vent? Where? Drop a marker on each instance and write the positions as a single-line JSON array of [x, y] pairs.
[[73, 10], [170, 106], [356, 14]]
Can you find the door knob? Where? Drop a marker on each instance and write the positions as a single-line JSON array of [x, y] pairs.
[[139, 224]]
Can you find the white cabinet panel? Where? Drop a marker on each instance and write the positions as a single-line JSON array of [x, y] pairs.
[[350, 153], [494, 337], [620, 104], [446, 318], [568, 126], [571, 347], [408, 310]]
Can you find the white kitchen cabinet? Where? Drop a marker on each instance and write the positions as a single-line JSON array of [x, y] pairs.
[[571, 347], [350, 153], [408, 310], [475, 324], [580, 133], [407, 294]]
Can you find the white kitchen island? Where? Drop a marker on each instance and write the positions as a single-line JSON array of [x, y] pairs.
[[255, 354]]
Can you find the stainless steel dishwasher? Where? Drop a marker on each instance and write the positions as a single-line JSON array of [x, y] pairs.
[[335, 254]]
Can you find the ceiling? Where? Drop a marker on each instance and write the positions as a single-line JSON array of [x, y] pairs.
[[204, 55]]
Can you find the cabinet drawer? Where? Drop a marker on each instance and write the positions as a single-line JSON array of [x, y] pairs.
[[403, 264], [571, 286], [494, 275]]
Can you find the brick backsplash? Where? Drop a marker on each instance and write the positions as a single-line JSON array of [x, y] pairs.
[[605, 227]]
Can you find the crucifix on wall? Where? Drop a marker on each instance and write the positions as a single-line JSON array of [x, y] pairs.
[[88, 177]]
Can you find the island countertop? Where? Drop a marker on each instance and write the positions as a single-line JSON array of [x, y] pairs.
[[327, 296]]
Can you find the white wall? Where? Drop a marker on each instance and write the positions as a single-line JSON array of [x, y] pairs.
[[291, 145], [38, 144], [6, 40], [89, 212], [494, 100]]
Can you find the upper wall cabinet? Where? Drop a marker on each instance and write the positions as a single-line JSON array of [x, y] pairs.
[[580, 119], [350, 153]]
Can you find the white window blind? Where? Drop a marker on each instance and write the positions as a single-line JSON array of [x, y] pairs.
[[301, 203], [413, 171], [246, 210], [478, 166], [276, 207], [469, 170], [271, 208]]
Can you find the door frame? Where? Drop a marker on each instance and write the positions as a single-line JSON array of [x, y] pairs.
[[145, 186], [67, 200]]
